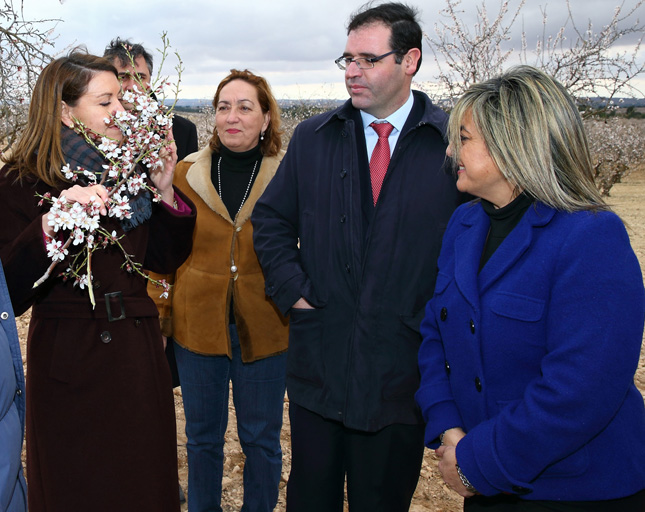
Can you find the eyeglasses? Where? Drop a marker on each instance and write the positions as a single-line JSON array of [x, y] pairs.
[[361, 62]]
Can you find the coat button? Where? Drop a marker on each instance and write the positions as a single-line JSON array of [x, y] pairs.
[[233, 269], [137, 322], [97, 285], [106, 337], [347, 268], [472, 326], [343, 173], [343, 218], [444, 314], [447, 367], [4, 315], [478, 384], [19, 392], [238, 229]]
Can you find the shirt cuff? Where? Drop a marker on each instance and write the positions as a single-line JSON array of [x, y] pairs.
[[180, 207]]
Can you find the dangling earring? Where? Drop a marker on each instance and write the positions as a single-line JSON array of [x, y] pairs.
[[262, 136]]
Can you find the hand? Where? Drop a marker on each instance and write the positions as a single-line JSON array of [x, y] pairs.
[[302, 303], [165, 341], [448, 469], [452, 436], [84, 195], [162, 176]]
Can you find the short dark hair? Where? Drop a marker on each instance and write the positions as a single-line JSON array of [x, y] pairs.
[[402, 20], [119, 48]]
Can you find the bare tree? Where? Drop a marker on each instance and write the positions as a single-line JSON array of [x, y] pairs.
[[465, 55], [617, 146], [24, 46], [588, 64]]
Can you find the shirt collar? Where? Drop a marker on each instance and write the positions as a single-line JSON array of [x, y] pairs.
[[396, 119]]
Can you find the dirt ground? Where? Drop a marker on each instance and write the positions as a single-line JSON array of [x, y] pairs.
[[628, 200]]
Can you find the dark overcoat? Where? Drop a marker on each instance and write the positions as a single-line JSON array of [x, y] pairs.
[[353, 359], [101, 432]]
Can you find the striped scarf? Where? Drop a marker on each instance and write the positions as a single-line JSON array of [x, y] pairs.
[[78, 153]]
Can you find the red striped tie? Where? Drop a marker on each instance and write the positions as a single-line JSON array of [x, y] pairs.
[[380, 157]]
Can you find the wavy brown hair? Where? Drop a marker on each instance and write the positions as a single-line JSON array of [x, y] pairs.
[[38, 152], [272, 142]]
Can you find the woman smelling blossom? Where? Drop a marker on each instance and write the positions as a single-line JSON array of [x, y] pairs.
[[92, 366]]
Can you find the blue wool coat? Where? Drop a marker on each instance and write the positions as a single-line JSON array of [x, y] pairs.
[[534, 356], [13, 495]]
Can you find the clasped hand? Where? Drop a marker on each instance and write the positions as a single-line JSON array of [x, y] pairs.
[[447, 455]]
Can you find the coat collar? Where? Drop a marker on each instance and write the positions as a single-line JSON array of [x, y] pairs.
[[469, 245], [432, 115], [198, 177]]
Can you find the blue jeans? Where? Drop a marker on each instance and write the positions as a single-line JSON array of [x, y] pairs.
[[258, 395]]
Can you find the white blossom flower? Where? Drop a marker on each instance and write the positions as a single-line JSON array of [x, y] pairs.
[[81, 281], [79, 236], [67, 172], [56, 250]]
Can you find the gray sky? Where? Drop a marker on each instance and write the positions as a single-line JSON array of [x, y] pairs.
[[293, 43]]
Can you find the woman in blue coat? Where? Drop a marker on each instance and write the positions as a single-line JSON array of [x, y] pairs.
[[13, 490], [533, 335]]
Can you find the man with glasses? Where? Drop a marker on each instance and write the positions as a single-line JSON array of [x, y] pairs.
[[348, 234]]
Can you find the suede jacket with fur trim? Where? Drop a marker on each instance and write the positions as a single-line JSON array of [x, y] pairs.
[[223, 264]]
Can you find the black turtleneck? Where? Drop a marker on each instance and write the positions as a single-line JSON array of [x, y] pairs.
[[235, 175], [502, 222]]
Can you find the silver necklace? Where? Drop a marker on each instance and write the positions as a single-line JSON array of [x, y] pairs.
[[248, 187]]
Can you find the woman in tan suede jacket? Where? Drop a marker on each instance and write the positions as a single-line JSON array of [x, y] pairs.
[[223, 325]]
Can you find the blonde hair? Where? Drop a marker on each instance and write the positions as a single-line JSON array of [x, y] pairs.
[[535, 136]]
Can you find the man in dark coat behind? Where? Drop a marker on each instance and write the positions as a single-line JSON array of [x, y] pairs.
[[353, 262], [184, 131]]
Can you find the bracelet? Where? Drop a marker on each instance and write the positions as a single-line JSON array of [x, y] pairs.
[[441, 436], [469, 487]]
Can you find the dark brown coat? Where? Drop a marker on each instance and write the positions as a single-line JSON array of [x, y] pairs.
[[100, 412]]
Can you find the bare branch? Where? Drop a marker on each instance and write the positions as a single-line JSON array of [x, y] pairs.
[[24, 46]]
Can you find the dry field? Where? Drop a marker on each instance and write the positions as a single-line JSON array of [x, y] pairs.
[[628, 199]]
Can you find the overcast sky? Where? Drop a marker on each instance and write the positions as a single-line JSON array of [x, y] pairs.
[[293, 43]]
